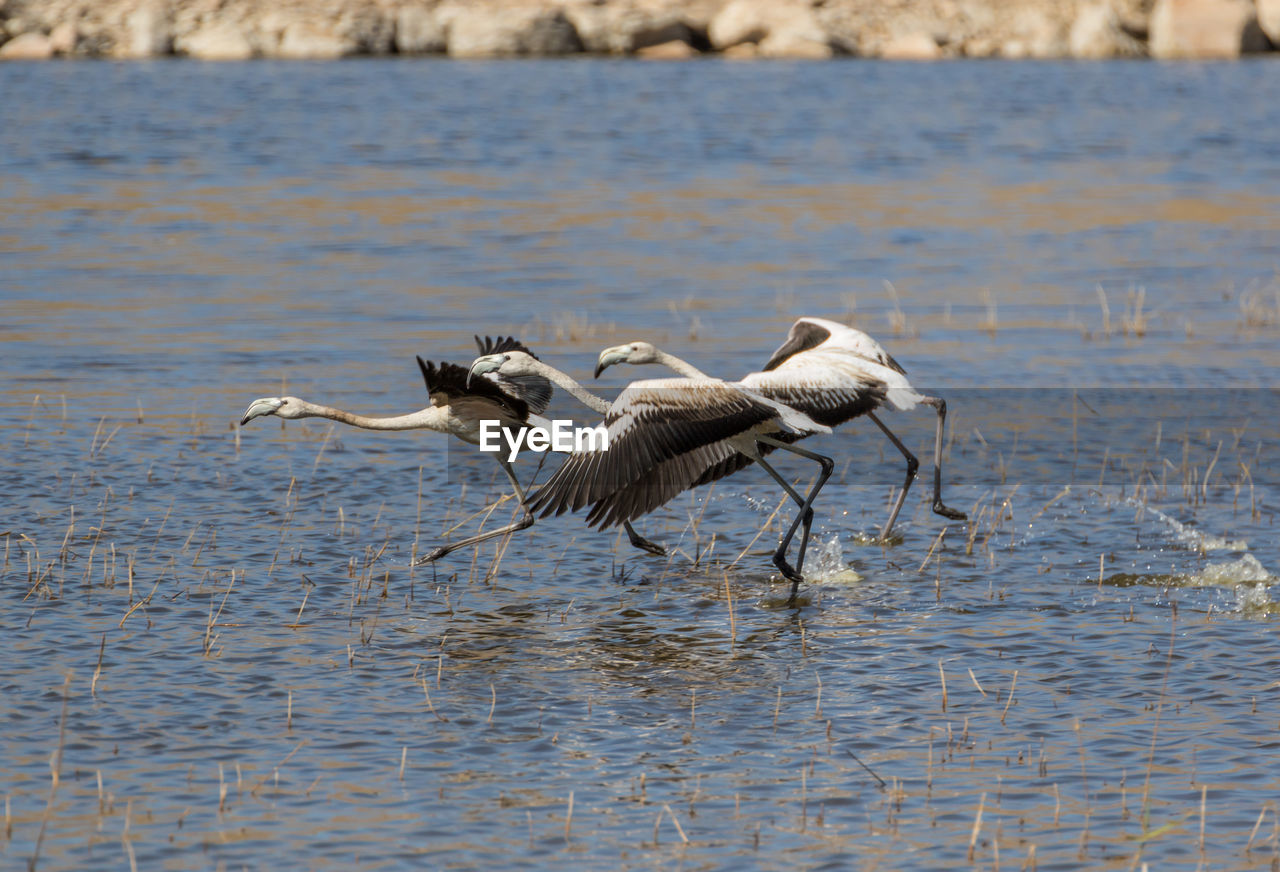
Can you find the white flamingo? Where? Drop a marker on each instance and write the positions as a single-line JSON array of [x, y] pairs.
[[831, 372]]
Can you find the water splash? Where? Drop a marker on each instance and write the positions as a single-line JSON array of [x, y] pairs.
[[1255, 599], [1195, 539], [826, 563], [1246, 578], [1231, 572]]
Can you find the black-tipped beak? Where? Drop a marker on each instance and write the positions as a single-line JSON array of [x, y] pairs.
[[482, 365]]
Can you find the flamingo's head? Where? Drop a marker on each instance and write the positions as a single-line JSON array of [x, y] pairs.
[[281, 407], [511, 363], [486, 364], [631, 352]]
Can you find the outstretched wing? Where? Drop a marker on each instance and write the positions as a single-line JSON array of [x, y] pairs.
[[663, 435], [663, 482], [499, 344], [447, 383], [534, 390]]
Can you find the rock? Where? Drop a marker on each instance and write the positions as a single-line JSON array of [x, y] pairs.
[[618, 28], [1205, 29], [697, 14], [916, 46], [303, 31], [780, 29], [1097, 33], [797, 45], [490, 30], [147, 32], [1269, 19], [63, 38], [1037, 35], [980, 47], [743, 51], [1014, 49], [32, 46], [367, 25], [314, 40], [675, 50], [738, 22], [216, 41], [797, 37], [419, 31], [1135, 17]]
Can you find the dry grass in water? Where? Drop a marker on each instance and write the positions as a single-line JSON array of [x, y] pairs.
[[991, 323], [1260, 305], [1134, 322], [897, 318]]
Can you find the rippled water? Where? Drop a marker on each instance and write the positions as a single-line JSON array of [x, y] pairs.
[[213, 635]]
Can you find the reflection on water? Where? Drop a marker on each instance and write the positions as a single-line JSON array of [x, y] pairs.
[[250, 669]]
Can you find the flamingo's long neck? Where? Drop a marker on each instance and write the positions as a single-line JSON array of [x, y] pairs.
[[675, 364], [566, 382], [430, 418]]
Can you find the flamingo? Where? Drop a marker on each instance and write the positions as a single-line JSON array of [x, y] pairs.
[[831, 372], [458, 406], [663, 435]]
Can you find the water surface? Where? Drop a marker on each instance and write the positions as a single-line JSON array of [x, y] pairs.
[[216, 637]]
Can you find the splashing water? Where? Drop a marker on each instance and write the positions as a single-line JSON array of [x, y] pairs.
[[1195, 539], [1254, 599], [826, 563], [1246, 577], [1231, 572]]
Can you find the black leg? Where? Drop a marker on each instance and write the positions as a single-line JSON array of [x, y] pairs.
[[804, 517], [955, 515], [912, 466], [526, 521]]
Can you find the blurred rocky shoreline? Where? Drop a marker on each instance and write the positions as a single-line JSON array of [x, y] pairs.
[[663, 29]]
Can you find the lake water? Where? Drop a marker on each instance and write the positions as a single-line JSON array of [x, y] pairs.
[[213, 634]]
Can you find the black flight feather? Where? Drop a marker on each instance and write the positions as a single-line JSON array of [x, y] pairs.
[[450, 380]]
